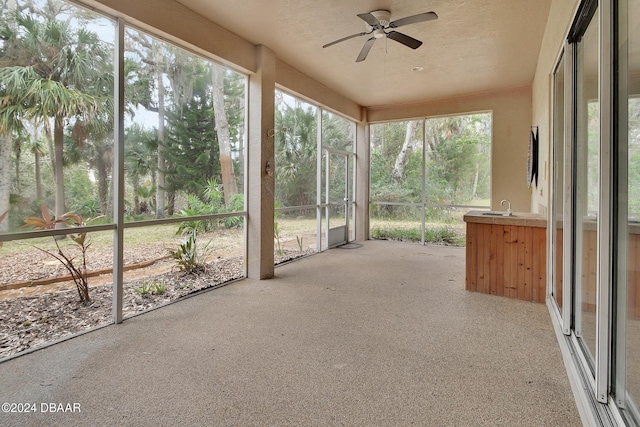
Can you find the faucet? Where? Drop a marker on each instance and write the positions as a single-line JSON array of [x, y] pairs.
[[508, 209]]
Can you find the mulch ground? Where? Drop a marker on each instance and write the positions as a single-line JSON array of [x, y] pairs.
[[31, 317]]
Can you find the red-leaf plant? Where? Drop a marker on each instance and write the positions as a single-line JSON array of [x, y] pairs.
[[78, 272]]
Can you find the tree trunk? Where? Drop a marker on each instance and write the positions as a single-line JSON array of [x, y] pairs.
[[5, 159], [37, 154], [18, 147], [171, 202], [5, 181], [405, 152], [229, 184], [136, 196], [161, 140], [50, 149], [58, 142], [103, 187], [38, 173], [475, 181]]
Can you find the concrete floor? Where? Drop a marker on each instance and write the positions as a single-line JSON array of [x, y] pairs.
[[383, 334]]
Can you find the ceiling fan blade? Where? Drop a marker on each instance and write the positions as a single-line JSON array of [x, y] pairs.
[[370, 19], [404, 39], [414, 19], [365, 49], [344, 38]]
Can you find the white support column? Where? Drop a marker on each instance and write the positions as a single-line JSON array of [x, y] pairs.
[[261, 166], [118, 172], [319, 200], [362, 177]]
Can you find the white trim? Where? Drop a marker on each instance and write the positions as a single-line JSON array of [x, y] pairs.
[[580, 392], [605, 262], [567, 238], [118, 173]]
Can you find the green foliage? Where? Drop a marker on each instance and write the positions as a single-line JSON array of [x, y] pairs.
[[295, 152], [152, 287], [140, 161], [80, 190], [236, 204], [189, 257], [438, 235], [276, 230], [56, 72], [443, 235], [299, 241], [196, 207], [401, 234], [337, 132], [192, 151], [213, 203], [458, 161]]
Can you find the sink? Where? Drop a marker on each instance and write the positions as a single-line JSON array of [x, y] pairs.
[[497, 214]]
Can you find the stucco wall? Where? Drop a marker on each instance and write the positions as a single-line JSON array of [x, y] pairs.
[[307, 88], [560, 17], [511, 110]]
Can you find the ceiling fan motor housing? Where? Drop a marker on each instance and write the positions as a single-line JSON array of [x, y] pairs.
[[383, 16]]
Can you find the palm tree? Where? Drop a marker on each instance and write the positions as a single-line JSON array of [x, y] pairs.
[[37, 147], [139, 159], [54, 73], [9, 123]]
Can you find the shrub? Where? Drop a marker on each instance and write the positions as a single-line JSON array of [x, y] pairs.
[[441, 235], [190, 258], [78, 272], [151, 288]]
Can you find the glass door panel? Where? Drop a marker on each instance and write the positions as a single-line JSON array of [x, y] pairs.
[[628, 168], [586, 197], [337, 192], [558, 181]]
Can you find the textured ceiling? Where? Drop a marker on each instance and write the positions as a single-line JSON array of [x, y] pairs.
[[474, 46]]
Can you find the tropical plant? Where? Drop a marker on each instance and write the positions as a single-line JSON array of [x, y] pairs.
[[151, 287], [276, 231], [295, 152], [236, 204], [82, 241], [196, 207], [190, 258]]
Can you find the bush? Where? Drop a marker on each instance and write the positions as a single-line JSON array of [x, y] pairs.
[[190, 258], [82, 241], [440, 235]]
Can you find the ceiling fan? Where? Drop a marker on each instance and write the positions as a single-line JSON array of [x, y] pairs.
[[379, 23]]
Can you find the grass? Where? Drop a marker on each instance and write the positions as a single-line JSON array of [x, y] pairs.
[[157, 233], [290, 227]]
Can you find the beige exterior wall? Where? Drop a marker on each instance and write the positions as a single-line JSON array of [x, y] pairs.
[[177, 23], [511, 110], [309, 89], [560, 17]]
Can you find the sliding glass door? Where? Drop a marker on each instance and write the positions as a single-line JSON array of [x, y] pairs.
[[586, 197], [627, 167]]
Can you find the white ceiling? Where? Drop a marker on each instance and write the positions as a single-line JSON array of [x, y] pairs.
[[474, 46]]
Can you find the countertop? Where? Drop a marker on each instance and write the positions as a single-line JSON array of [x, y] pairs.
[[526, 219]]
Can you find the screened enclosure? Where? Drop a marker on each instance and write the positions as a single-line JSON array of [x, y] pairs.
[[425, 174]]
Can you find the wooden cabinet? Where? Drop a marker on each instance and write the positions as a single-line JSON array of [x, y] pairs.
[[506, 256]]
